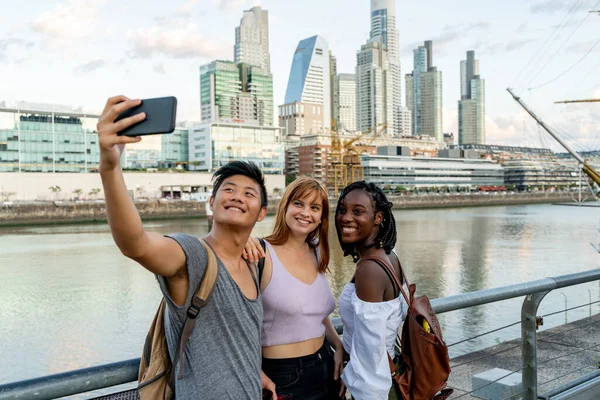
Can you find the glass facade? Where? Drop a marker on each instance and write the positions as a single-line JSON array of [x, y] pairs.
[[175, 149], [214, 145], [47, 141], [231, 92], [219, 86]]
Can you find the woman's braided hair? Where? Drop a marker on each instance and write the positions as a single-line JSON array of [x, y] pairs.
[[386, 238]]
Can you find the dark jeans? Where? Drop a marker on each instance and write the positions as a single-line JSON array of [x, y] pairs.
[[304, 378]]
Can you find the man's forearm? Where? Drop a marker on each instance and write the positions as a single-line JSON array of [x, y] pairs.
[[123, 217]]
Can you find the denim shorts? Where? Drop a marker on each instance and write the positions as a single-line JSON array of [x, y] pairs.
[[305, 378]]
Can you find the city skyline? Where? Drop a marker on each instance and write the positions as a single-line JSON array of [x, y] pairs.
[[51, 50]]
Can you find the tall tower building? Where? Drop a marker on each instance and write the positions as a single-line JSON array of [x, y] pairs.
[[471, 106], [374, 98], [252, 39], [425, 102], [420, 62], [383, 25], [335, 90], [310, 77], [347, 85], [431, 104]]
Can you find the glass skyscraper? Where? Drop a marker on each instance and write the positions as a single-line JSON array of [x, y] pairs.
[[232, 92], [310, 76], [471, 106]]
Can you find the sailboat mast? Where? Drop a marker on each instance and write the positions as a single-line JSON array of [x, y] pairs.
[[587, 169]]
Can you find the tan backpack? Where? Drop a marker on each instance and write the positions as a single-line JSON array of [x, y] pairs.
[[156, 378]]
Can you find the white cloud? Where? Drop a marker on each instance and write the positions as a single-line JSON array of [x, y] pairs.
[[159, 68], [552, 6], [180, 43], [89, 67], [67, 23], [186, 9], [232, 5]]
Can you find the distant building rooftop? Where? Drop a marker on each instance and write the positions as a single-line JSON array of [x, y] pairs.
[[44, 109]]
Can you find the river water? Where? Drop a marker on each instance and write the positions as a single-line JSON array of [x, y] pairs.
[[69, 299]]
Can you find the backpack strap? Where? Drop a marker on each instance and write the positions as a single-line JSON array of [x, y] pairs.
[[205, 289], [390, 271], [261, 262]]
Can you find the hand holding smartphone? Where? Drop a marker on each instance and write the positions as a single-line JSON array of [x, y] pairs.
[[160, 118]]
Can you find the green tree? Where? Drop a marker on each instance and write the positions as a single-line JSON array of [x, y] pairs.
[[5, 195], [55, 189], [289, 179], [94, 193], [139, 190], [77, 193]]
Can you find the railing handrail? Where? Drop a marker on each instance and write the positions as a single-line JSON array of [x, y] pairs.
[[103, 376]]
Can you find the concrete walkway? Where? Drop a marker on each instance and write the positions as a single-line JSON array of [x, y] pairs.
[[556, 363]]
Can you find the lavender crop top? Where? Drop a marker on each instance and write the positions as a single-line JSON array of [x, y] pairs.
[[293, 310]]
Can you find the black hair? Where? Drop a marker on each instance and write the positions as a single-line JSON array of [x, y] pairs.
[[386, 238], [245, 168]]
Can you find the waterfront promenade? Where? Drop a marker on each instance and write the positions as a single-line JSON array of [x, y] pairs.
[[564, 353]]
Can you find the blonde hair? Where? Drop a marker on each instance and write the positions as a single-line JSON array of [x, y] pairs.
[[299, 189]]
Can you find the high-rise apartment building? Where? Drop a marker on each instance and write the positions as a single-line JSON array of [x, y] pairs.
[[431, 104], [334, 90], [230, 92], [471, 106], [383, 26], [405, 122], [347, 86], [301, 118], [252, 39], [425, 101], [374, 95]]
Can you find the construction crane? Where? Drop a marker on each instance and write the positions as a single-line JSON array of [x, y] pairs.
[[344, 163]]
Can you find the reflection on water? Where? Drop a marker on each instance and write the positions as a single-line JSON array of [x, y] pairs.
[[69, 299]]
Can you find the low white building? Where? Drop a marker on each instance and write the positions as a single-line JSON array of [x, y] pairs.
[[415, 172], [215, 144]]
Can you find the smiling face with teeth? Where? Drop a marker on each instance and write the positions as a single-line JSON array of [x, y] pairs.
[[357, 220], [303, 215], [238, 202], [303, 212]]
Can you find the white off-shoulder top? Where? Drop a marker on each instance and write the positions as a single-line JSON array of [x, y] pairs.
[[370, 330]]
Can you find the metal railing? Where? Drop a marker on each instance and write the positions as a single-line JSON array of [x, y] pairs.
[[86, 380]]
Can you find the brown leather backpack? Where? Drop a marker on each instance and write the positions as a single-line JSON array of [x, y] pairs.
[[156, 378], [424, 364]]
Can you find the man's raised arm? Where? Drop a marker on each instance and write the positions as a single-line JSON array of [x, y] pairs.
[[158, 254]]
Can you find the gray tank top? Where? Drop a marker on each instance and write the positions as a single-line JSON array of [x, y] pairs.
[[222, 359]]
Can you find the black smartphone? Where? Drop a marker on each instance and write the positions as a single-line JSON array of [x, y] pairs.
[[160, 117]]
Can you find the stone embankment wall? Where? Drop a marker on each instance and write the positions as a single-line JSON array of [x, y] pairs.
[[456, 200], [50, 213]]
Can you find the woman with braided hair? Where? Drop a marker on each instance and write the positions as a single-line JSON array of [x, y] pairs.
[[371, 305]]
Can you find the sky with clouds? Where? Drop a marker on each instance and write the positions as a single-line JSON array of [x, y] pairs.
[[81, 52]]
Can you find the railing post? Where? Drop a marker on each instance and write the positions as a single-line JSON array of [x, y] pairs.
[[529, 327]]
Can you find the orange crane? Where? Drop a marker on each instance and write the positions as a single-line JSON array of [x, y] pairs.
[[344, 163]]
